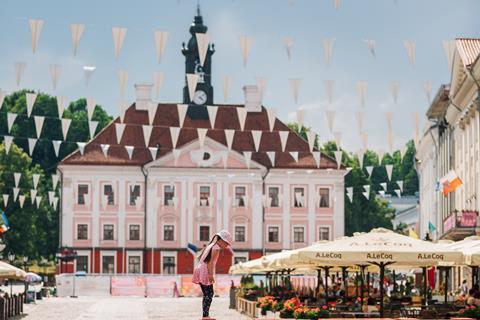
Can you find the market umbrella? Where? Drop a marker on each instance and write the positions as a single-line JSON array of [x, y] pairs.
[[32, 277], [10, 272], [381, 247]]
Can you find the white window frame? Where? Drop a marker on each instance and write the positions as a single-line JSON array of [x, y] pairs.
[[329, 197], [246, 232], [168, 254], [140, 230], [76, 231], [209, 232], [245, 201], [83, 253], [240, 254], [279, 233], [293, 233], [329, 232], [279, 195], [108, 253], [174, 232], [134, 253], [208, 198], [115, 236], [305, 203]]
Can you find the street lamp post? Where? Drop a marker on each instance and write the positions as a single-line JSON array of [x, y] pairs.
[[25, 283], [11, 258]]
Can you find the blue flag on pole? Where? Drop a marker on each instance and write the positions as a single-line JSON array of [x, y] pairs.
[[192, 248], [431, 227], [4, 225]]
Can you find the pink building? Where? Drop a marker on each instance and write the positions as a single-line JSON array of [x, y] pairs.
[[168, 175]]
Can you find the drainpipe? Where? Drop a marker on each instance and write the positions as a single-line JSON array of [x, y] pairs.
[[145, 175], [60, 213], [263, 212]]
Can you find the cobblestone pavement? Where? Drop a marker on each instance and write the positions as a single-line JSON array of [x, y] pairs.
[[109, 308]]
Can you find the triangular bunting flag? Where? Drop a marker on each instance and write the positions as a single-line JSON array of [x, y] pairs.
[[153, 152], [174, 133], [369, 170], [182, 111], [362, 91], [147, 132], [329, 90], [118, 38], [212, 115], [192, 80], [400, 184], [176, 154], [202, 45], [383, 185], [283, 139], [403, 151], [35, 28], [55, 203], [242, 116], [410, 46], [161, 38], [119, 128], [130, 151], [105, 148], [227, 82], [202, 134], [360, 154], [11, 117], [122, 79], [88, 72], [395, 88], [380, 154], [91, 104], [338, 158], [271, 156], [31, 97], [38, 124], [245, 44], [51, 194], [31, 145], [300, 117], [328, 50], [21, 200], [261, 85], [19, 70], [330, 116], [38, 200], [92, 128], [294, 155], [152, 111], [271, 113], [55, 179], [371, 46], [311, 137], [288, 43], [295, 87], [81, 147], [366, 195], [229, 134], [389, 168], [36, 179], [158, 78], [398, 192], [65, 126], [382, 193], [5, 200], [257, 136], [56, 146], [16, 178], [359, 117], [76, 30], [55, 71], [8, 143], [33, 194], [2, 97], [337, 136], [367, 188]]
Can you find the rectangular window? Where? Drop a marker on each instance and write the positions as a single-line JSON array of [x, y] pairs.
[[204, 233], [240, 193], [82, 232], [134, 194], [239, 259], [168, 194], [134, 264], [82, 193], [324, 194], [239, 233], [134, 232], [168, 266], [109, 194], [108, 264], [298, 234], [273, 234], [168, 233], [299, 197], [324, 233], [108, 232], [273, 194], [204, 195], [81, 263]]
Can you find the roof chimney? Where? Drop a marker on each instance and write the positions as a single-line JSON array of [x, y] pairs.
[[253, 100], [143, 91]]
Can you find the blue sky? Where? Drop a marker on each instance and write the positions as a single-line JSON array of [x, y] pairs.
[[308, 22]]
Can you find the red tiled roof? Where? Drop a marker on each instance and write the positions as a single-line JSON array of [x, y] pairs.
[[167, 116], [469, 49]]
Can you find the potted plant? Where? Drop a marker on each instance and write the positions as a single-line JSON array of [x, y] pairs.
[[265, 304], [289, 307], [470, 312]]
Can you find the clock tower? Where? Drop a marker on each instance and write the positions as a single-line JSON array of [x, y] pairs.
[[204, 91]]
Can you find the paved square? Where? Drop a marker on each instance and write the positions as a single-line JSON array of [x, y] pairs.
[[106, 308]]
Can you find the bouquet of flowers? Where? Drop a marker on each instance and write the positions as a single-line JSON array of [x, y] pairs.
[[289, 307], [470, 312], [265, 303]]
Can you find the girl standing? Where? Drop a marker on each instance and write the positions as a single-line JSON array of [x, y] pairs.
[[204, 272]]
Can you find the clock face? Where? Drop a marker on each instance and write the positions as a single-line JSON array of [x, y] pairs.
[[200, 97]]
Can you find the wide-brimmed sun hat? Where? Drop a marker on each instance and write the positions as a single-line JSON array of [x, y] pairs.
[[225, 236]]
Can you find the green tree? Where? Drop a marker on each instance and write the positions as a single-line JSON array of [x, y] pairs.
[[33, 231], [46, 105]]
